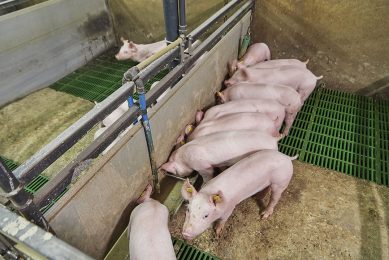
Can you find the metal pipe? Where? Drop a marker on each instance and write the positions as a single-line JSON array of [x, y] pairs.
[[133, 71], [48, 154], [196, 33], [170, 11], [41, 242], [176, 74], [148, 134], [21, 199], [130, 102], [63, 142], [58, 184], [53, 150], [182, 18]]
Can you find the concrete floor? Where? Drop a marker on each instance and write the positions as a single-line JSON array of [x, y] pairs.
[[322, 215]]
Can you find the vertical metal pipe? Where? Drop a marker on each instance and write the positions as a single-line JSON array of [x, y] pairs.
[[21, 199], [170, 11], [130, 102], [182, 18], [140, 89]]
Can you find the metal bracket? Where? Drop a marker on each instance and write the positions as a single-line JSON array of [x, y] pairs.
[[182, 48], [130, 75], [13, 192]]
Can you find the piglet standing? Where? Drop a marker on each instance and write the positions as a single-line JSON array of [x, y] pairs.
[[217, 150], [256, 53], [285, 95], [218, 198], [241, 121], [300, 79], [270, 108], [148, 230], [138, 52]]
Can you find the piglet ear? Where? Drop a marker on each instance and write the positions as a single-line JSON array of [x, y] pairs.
[[217, 198], [145, 194], [188, 191], [132, 45], [169, 167]]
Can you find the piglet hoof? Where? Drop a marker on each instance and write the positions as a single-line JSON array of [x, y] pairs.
[[278, 136], [219, 229], [285, 133], [266, 214]]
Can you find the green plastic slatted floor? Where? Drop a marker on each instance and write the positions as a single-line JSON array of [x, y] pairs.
[[343, 132], [187, 252], [35, 184], [99, 78], [336, 130]]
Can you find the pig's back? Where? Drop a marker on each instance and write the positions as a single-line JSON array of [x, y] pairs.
[[251, 175], [231, 122], [148, 232], [240, 106], [225, 148], [285, 95], [279, 63]]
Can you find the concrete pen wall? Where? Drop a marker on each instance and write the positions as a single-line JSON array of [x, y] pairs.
[[346, 41], [42, 43]]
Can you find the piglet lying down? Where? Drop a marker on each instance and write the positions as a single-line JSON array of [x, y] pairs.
[[218, 198], [217, 150]]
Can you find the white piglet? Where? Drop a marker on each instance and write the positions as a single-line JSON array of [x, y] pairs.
[[148, 230], [256, 53], [218, 198], [138, 52], [217, 150], [240, 121]]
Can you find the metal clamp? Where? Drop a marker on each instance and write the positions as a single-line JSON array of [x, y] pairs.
[[13, 192], [182, 48], [190, 44], [130, 75]]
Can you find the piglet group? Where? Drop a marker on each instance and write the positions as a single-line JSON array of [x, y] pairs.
[[240, 136]]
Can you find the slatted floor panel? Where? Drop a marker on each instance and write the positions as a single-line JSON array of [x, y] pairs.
[[99, 78], [187, 252], [343, 132]]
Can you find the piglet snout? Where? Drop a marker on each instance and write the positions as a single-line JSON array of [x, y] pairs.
[[187, 236]]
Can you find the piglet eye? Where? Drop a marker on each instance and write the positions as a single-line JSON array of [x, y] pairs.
[[206, 216]]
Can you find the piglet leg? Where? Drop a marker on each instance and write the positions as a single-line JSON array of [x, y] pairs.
[[276, 192], [289, 118], [221, 222], [207, 174]]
